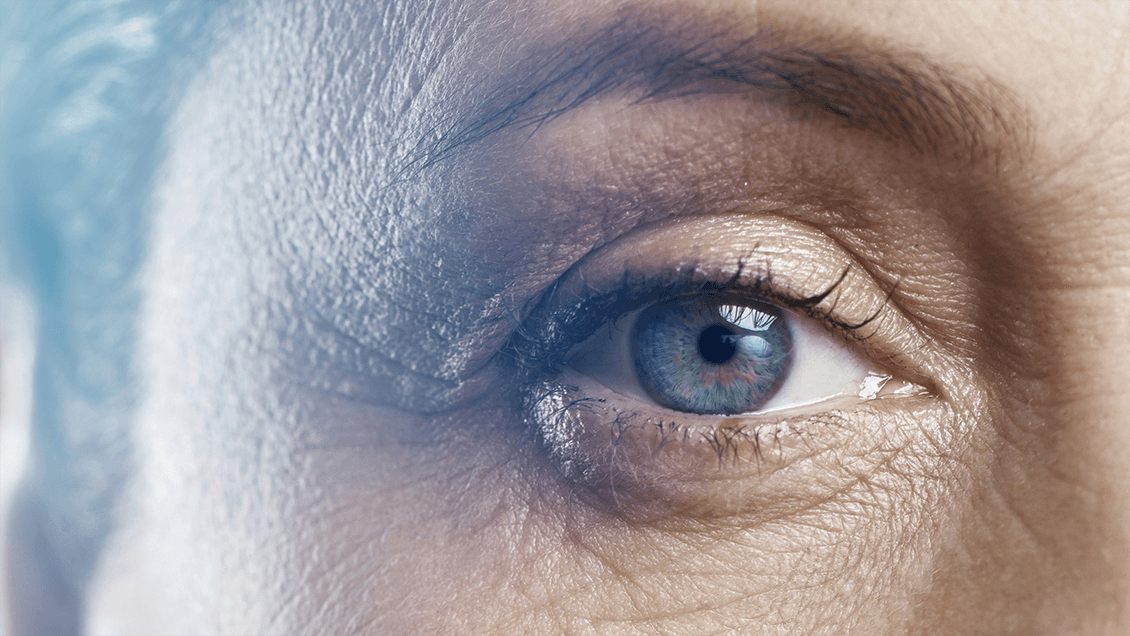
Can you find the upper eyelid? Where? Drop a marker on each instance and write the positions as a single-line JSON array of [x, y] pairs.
[[542, 340], [628, 295]]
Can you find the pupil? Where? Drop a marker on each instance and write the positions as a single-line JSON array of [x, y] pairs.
[[715, 345]]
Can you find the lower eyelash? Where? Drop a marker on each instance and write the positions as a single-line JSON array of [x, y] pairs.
[[557, 419]]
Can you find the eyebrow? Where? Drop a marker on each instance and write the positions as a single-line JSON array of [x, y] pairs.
[[898, 95]]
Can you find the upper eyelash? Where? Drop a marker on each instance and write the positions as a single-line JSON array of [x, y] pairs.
[[554, 326]]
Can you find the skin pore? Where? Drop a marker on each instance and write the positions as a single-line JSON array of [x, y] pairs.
[[353, 383]]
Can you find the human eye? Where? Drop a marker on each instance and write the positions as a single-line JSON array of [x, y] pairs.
[[712, 351], [724, 353]]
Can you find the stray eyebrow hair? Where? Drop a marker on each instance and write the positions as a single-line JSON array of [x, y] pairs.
[[660, 54]]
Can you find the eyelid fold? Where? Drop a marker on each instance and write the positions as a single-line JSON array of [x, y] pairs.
[[659, 459], [766, 257]]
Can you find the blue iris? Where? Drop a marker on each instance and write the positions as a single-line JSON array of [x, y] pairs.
[[711, 354]]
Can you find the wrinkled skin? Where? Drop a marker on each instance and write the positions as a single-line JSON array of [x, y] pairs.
[[329, 440]]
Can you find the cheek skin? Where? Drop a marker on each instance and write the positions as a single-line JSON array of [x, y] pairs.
[[409, 518], [477, 524]]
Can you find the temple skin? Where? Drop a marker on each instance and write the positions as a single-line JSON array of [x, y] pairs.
[[329, 440]]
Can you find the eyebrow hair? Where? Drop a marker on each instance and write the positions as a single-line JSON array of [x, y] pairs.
[[898, 95]]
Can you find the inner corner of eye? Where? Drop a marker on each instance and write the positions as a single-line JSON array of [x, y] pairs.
[[708, 355]]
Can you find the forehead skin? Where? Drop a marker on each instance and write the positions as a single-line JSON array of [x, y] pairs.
[[322, 447]]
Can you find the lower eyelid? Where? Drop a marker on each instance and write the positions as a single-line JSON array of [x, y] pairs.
[[650, 465], [787, 261]]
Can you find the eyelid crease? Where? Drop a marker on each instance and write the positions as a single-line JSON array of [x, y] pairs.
[[622, 276]]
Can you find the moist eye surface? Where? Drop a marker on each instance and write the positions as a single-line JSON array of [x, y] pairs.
[[710, 354]]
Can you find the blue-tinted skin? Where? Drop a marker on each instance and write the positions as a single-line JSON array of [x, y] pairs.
[[86, 90]]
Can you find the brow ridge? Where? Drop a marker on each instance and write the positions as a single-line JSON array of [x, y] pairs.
[[898, 95]]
